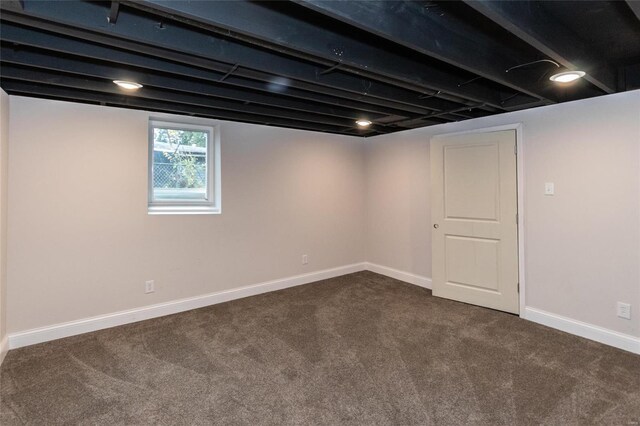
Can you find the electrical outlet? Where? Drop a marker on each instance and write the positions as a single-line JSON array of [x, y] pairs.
[[549, 188], [624, 310], [149, 286], [305, 259]]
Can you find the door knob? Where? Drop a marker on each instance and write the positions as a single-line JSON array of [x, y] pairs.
[[435, 225]]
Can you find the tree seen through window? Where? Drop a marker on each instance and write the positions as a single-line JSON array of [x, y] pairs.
[[179, 163]]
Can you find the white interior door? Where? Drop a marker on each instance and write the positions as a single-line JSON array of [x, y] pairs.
[[474, 214]]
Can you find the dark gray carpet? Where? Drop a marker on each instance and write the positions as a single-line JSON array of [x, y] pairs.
[[359, 349]]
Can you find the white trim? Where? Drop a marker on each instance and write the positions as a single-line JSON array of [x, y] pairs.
[[583, 329], [521, 186], [86, 325], [410, 278], [4, 347], [72, 328], [156, 210], [213, 203], [521, 215]]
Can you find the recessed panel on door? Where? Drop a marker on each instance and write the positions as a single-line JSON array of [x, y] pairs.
[[471, 182], [472, 262]]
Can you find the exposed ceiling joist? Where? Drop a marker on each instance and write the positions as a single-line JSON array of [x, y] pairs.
[[417, 121], [437, 34], [34, 75], [319, 65], [531, 23], [264, 25], [109, 72], [17, 5], [143, 33], [58, 92], [635, 7], [247, 79]]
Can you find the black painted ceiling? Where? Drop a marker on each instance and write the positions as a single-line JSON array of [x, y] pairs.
[[320, 65]]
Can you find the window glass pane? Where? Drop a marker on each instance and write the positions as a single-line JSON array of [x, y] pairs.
[[179, 164]]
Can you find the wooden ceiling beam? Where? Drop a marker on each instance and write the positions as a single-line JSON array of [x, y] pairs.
[[530, 22], [439, 34], [277, 27]]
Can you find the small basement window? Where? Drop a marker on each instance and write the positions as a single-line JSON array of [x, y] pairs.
[[184, 168]]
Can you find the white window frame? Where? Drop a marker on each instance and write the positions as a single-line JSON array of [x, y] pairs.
[[212, 204]]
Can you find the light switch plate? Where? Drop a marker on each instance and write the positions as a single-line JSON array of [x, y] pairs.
[[549, 188]]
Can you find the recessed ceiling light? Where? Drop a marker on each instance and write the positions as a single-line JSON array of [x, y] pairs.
[[363, 123], [128, 85], [566, 77]]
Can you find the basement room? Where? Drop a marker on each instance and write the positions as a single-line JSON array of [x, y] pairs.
[[316, 212]]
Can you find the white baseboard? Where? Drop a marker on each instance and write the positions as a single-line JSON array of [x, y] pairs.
[[568, 325], [72, 328], [4, 348], [583, 329], [399, 275]]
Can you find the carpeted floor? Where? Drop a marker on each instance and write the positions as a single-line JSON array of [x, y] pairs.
[[359, 349]]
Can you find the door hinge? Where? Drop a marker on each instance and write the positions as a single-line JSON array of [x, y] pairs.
[[518, 287], [517, 219], [515, 149]]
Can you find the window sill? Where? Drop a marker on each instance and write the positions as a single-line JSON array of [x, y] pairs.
[[157, 210]]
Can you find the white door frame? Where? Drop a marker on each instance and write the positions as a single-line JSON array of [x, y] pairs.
[[521, 185]]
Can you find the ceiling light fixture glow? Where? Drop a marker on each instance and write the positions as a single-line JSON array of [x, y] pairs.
[[363, 123], [128, 85], [566, 77]]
